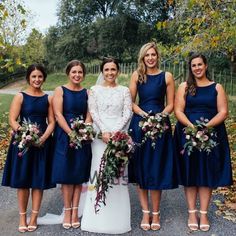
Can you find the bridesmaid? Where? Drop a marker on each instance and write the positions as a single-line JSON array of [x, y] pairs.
[[33, 169], [152, 169], [71, 167], [199, 173]]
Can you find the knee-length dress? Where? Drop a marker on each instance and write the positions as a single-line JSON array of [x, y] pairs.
[[70, 165], [153, 169], [33, 169], [202, 169]]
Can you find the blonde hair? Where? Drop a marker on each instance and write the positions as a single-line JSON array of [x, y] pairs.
[[141, 70]]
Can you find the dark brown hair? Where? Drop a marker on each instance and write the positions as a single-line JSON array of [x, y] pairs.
[[75, 63], [33, 67], [191, 82], [107, 60]]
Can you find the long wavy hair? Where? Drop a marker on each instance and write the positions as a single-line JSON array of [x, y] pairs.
[[191, 81], [141, 70]]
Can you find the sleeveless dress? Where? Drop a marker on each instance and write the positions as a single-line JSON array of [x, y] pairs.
[[70, 165], [111, 109], [153, 169], [33, 169], [202, 169]]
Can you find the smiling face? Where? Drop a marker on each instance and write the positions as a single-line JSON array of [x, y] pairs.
[[110, 73], [151, 58], [198, 68], [76, 74], [36, 79]]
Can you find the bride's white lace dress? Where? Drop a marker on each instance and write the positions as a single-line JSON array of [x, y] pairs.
[[111, 110]]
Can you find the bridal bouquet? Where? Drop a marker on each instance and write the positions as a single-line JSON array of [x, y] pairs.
[[81, 132], [199, 138], [153, 126], [115, 157], [26, 136]]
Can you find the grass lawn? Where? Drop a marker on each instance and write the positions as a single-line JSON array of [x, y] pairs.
[[5, 101]]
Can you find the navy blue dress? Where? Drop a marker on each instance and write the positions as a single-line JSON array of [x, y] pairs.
[[153, 169], [33, 169], [202, 169], [70, 165]]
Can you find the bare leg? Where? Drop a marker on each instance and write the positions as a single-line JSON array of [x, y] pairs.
[[191, 197], [143, 198], [23, 198], [67, 191], [36, 195], [205, 194], [75, 204], [156, 199]]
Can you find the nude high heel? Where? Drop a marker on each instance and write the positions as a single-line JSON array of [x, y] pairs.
[[204, 227], [145, 226]]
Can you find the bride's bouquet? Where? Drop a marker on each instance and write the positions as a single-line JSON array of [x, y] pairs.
[[27, 135], [153, 126], [199, 138], [115, 157], [81, 133]]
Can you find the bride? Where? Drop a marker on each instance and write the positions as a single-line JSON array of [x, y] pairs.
[[110, 108]]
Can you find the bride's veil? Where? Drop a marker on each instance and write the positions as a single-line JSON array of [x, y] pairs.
[[100, 79], [50, 219]]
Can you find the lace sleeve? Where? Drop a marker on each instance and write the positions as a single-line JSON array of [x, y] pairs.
[[93, 109], [127, 110]]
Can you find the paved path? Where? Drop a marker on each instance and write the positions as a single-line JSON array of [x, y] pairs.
[[173, 216]]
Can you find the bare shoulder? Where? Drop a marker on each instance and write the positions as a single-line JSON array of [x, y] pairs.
[[58, 90], [134, 76], [219, 87], [169, 77]]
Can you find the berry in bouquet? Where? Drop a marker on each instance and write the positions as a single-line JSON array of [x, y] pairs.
[[82, 133], [153, 126], [199, 138], [114, 160], [27, 135]]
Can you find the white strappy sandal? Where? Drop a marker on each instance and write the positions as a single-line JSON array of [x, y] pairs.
[[192, 226], [155, 226], [204, 227], [145, 226], [22, 228]]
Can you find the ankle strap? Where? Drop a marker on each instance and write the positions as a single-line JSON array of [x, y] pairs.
[[35, 212], [146, 211], [67, 209], [22, 213], [192, 211], [74, 208], [156, 212], [203, 212]]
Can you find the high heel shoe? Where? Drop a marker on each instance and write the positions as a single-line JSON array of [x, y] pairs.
[[76, 224], [192, 226], [155, 226], [66, 225], [145, 226], [22, 228], [32, 228], [204, 227]]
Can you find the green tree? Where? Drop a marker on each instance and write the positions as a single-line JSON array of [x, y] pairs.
[[34, 49], [206, 26], [12, 32]]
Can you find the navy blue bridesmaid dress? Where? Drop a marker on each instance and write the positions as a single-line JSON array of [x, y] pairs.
[[70, 165], [153, 169], [33, 169], [202, 169]]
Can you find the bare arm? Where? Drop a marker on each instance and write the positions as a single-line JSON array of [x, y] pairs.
[[179, 106], [170, 93], [133, 92], [58, 109], [14, 112], [51, 122], [222, 107]]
